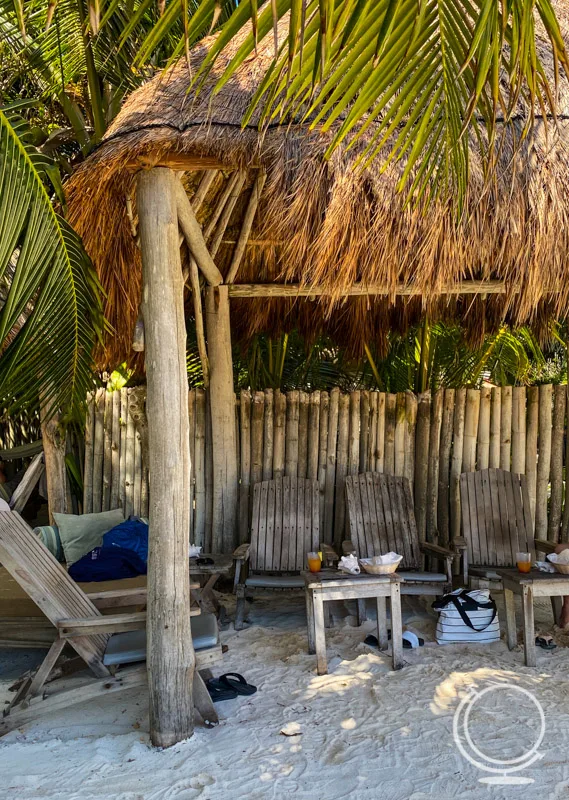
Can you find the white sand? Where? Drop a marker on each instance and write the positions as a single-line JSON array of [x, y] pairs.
[[363, 731]]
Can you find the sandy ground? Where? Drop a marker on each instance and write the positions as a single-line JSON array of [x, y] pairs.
[[361, 731]]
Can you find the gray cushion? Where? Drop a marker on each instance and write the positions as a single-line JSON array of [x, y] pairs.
[[129, 647], [275, 581], [436, 577]]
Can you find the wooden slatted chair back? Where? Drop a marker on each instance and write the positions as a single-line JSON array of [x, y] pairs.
[[285, 524], [496, 517], [47, 583], [381, 517]]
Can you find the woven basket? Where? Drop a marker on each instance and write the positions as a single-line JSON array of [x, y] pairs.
[[563, 568], [377, 569]]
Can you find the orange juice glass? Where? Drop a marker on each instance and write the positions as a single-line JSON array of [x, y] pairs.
[[314, 563], [523, 560]]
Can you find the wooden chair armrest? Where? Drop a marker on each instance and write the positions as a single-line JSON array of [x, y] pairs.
[[437, 550], [241, 553], [112, 623], [348, 547], [329, 555], [543, 546], [459, 543]]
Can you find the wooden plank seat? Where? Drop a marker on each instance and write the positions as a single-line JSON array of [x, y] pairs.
[[381, 519], [78, 621], [285, 527], [497, 524]]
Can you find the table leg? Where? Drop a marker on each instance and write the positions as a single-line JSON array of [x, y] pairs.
[[362, 616], [382, 637], [556, 606], [319, 633], [396, 626], [310, 620], [511, 630], [529, 629], [208, 599]]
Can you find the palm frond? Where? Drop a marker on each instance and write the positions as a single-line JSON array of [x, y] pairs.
[[51, 310]]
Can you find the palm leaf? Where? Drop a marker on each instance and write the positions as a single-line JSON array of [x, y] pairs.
[[51, 312]]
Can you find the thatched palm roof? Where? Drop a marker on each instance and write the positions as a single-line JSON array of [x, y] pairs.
[[322, 223]]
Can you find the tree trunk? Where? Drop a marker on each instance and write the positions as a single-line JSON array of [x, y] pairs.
[[222, 404], [170, 652]]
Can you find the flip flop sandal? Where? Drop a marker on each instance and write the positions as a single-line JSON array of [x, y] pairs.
[[545, 642], [410, 640], [238, 685], [219, 693]]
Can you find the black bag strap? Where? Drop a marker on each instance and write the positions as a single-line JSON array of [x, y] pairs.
[[471, 604]]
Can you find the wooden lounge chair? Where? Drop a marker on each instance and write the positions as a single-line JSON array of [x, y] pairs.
[[381, 519], [497, 524], [285, 527], [102, 642]]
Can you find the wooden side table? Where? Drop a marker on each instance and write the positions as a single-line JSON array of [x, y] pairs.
[[528, 585], [334, 585], [203, 595]]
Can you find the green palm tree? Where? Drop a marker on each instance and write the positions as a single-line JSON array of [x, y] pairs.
[[49, 301]]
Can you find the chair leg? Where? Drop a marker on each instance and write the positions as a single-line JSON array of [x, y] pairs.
[[362, 615], [240, 607], [33, 686], [327, 616], [203, 702]]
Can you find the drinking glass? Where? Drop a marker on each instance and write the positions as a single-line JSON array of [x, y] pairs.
[[523, 560], [314, 563]]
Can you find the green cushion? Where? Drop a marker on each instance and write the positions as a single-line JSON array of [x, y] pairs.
[[49, 535], [81, 534]]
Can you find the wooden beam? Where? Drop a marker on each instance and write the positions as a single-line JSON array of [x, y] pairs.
[[361, 289], [170, 651], [26, 486], [206, 180], [223, 423], [194, 237], [227, 212], [247, 225], [198, 316], [175, 161]]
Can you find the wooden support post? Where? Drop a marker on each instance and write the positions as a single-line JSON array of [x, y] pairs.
[[170, 653], [222, 405], [53, 437]]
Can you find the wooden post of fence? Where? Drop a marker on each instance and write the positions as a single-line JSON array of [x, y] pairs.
[[422, 462], [495, 425], [409, 439], [303, 401], [279, 430], [268, 436], [390, 422], [506, 428], [433, 464], [456, 463], [364, 431], [483, 450], [443, 502], [399, 439], [470, 430], [313, 436], [380, 445], [544, 460], [519, 430], [532, 428], [245, 464], [323, 460], [354, 434], [557, 442], [341, 466], [331, 455]]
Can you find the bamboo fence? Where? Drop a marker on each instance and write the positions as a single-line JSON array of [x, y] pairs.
[[328, 435]]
